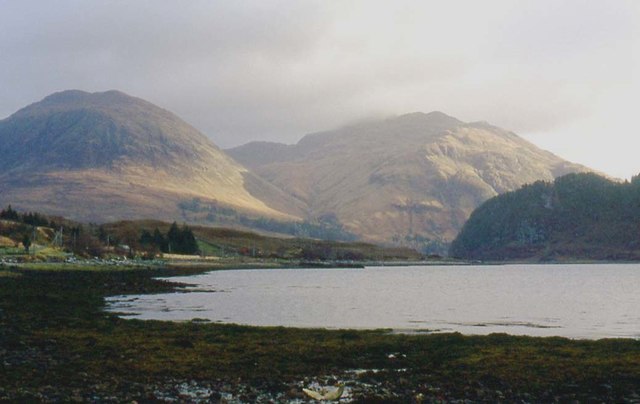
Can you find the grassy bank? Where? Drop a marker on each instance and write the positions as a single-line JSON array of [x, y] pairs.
[[58, 344]]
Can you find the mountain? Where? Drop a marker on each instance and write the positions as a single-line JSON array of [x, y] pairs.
[[578, 216], [414, 178], [107, 156]]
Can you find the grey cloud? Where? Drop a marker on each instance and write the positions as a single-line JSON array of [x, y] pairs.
[[275, 70]]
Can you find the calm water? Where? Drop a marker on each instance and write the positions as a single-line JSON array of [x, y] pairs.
[[576, 301]]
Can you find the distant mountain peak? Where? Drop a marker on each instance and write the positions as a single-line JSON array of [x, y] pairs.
[[80, 96], [109, 143], [433, 117], [82, 100], [430, 115], [65, 95], [76, 129], [412, 177]]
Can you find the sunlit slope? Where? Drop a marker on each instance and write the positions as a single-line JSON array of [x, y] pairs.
[[106, 156], [417, 175]]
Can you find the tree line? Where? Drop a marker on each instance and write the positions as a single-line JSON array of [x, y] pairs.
[[176, 240], [91, 240], [30, 218]]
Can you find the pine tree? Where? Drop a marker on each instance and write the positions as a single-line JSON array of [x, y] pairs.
[[173, 238], [146, 239], [159, 241], [9, 214], [189, 243]]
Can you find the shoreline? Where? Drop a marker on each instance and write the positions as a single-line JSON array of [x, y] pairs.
[[208, 264], [59, 345], [129, 311]]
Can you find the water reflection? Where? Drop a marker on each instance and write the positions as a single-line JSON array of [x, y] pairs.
[[577, 301]]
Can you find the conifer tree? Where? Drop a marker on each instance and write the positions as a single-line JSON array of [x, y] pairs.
[[159, 241], [189, 243], [146, 239], [9, 214], [173, 238]]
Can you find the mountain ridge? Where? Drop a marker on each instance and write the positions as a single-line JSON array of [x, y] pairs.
[[80, 150], [415, 176], [409, 180]]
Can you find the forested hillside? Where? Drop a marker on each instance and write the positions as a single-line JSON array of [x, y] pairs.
[[578, 216]]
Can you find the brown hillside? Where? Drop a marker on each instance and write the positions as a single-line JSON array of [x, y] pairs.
[[414, 175], [107, 156]]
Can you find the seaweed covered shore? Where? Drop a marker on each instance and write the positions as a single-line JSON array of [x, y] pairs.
[[57, 344]]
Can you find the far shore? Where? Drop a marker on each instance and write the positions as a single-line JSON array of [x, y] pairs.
[[211, 263]]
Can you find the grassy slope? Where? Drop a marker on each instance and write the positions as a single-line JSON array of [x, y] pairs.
[[56, 343], [218, 240], [212, 241]]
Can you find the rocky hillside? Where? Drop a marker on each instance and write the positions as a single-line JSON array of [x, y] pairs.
[[413, 179], [107, 156], [579, 216]]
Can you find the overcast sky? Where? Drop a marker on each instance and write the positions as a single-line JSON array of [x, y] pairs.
[[563, 74]]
